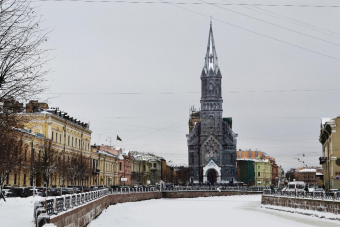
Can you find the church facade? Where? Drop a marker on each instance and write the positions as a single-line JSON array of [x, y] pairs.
[[211, 141]]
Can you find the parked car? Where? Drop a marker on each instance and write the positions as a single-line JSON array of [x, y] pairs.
[[22, 192], [8, 192], [71, 190], [52, 192], [332, 191], [87, 189], [37, 192]]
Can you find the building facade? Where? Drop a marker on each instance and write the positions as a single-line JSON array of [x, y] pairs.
[[330, 159], [263, 173], [211, 141], [307, 175]]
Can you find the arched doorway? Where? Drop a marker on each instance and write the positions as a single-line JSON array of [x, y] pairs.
[[212, 176]]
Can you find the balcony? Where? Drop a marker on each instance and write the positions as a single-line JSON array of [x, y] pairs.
[[323, 160]]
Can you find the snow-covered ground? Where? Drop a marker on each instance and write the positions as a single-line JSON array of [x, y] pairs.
[[17, 212], [212, 211]]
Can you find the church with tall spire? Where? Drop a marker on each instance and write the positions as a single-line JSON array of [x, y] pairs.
[[211, 141]]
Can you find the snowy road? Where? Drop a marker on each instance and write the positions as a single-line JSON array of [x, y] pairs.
[[213, 211]]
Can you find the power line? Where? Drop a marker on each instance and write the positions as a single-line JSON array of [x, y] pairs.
[[193, 92], [190, 3], [257, 33], [279, 26], [291, 20]]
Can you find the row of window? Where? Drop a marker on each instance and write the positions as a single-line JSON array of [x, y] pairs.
[[73, 142]]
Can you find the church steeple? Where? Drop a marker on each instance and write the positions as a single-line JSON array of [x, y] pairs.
[[211, 62]]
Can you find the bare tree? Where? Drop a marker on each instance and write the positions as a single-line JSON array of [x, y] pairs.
[[78, 168], [47, 163], [22, 57], [11, 155]]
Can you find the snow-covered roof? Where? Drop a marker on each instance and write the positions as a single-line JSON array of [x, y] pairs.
[[145, 156], [324, 120], [308, 170], [319, 174], [107, 154], [176, 164]]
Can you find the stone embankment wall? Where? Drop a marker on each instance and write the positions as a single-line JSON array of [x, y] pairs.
[[302, 203], [82, 215]]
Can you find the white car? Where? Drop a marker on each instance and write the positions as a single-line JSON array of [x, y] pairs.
[[7, 192], [36, 192]]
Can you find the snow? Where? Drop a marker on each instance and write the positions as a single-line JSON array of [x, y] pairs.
[[201, 212], [308, 170], [18, 211], [324, 120]]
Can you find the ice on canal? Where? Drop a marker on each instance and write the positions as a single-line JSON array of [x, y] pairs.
[[198, 212]]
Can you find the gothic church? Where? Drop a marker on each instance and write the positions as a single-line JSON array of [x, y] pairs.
[[211, 141]]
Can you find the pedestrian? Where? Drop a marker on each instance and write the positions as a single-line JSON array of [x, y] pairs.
[[306, 189], [271, 189]]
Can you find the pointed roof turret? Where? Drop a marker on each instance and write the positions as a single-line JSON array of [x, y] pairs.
[[211, 62]]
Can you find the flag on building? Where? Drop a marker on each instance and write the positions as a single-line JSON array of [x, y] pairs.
[[118, 138]]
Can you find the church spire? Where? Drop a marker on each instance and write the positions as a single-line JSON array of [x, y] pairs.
[[211, 56]]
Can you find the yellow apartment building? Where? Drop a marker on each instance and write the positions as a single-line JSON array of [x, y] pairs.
[[330, 159], [263, 172]]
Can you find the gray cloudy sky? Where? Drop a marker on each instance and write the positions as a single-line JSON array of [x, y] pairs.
[[133, 70]]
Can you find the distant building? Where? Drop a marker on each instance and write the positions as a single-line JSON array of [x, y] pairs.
[[211, 141], [265, 170], [245, 171], [307, 175], [263, 173], [330, 159]]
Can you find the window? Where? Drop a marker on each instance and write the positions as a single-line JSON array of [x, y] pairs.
[[15, 178], [258, 167], [52, 135], [25, 179], [25, 156], [75, 142], [60, 138], [68, 141], [258, 174], [120, 166], [154, 165], [56, 137], [72, 141]]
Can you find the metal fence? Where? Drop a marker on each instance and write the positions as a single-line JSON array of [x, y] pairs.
[[332, 196], [214, 188]]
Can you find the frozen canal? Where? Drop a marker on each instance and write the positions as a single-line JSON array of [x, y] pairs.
[[212, 211]]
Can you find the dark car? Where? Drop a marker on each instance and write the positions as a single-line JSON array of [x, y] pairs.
[[51, 192], [22, 192], [87, 189]]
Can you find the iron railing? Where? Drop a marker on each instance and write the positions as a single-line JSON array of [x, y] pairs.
[[320, 195]]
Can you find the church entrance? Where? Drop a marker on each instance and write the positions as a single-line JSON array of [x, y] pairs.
[[212, 176]]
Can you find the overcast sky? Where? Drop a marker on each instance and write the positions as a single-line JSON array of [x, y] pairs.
[[133, 70]]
